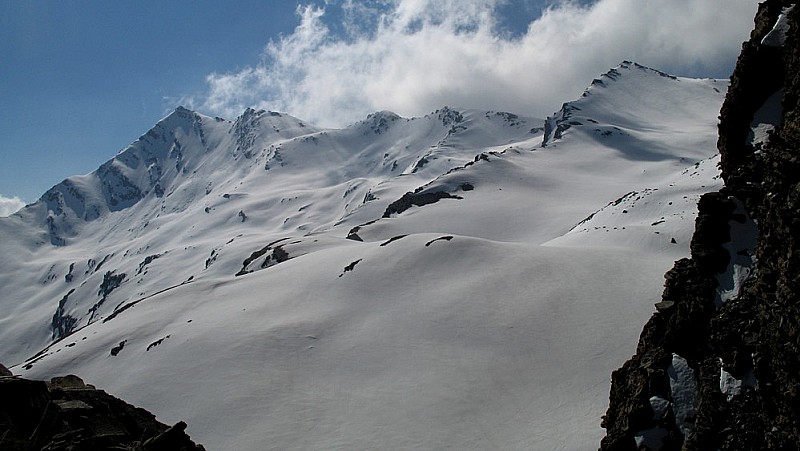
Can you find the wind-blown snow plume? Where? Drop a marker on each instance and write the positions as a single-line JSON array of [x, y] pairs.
[[412, 56], [10, 205]]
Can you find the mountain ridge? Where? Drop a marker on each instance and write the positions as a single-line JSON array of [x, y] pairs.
[[126, 191], [459, 261]]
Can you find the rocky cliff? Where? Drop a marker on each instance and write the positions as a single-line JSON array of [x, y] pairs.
[[718, 364], [67, 414]]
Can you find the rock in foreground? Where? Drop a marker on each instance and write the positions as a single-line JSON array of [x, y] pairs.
[[67, 414]]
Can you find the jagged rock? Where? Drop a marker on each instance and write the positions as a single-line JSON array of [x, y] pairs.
[[379, 122], [711, 232], [744, 351], [116, 349], [350, 267], [68, 382], [172, 438], [110, 283], [147, 260], [279, 255], [72, 415], [62, 323], [418, 199]]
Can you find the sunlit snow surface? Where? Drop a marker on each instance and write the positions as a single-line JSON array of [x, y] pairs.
[[488, 320]]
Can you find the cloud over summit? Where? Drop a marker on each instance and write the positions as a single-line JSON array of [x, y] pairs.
[[10, 205], [413, 56]]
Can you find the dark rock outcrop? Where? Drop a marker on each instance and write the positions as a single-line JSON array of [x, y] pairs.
[[729, 317], [67, 414], [418, 198], [278, 255], [62, 323]]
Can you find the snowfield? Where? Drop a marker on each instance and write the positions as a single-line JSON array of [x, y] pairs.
[[462, 280]]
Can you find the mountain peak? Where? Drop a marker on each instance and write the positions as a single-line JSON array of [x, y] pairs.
[[180, 109], [626, 67], [629, 91], [180, 115], [379, 122]]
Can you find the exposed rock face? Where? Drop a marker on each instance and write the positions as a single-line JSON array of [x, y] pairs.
[[732, 311], [416, 199], [67, 414]]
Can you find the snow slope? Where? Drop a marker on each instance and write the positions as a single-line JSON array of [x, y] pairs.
[[462, 280]]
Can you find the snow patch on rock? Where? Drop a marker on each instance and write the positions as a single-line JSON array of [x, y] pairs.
[[777, 36], [683, 385], [741, 247]]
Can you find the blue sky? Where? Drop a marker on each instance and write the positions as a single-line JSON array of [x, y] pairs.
[[80, 80]]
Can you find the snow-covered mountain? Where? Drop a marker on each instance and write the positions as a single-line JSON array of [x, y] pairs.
[[466, 279]]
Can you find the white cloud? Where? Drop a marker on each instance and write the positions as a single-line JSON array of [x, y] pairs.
[[10, 205], [413, 56]]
